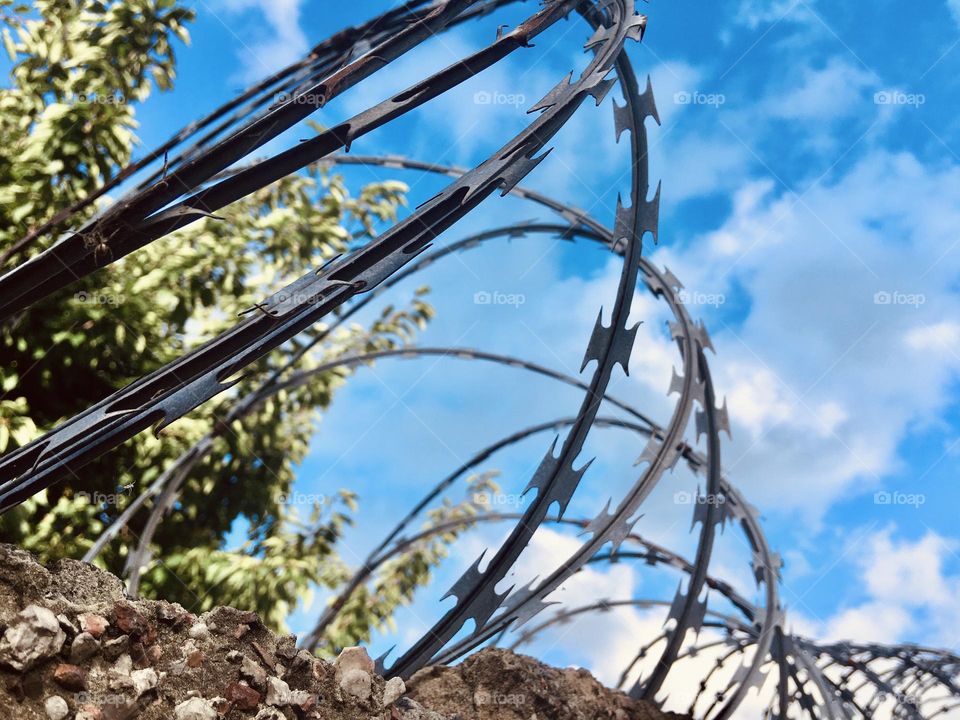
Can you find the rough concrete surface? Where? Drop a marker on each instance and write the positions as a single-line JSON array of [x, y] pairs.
[[73, 647], [498, 684]]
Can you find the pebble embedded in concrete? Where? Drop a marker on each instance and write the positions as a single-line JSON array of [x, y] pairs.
[[144, 680], [278, 692], [354, 672], [94, 624], [254, 674], [129, 619], [199, 631], [70, 677], [36, 635], [83, 647], [243, 697], [195, 709], [269, 713], [354, 658], [56, 707], [112, 649], [393, 691]]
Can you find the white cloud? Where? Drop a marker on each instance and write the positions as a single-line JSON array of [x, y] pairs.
[[811, 364], [669, 80], [613, 645], [871, 622], [270, 42], [831, 92], [896, 571], [754, 13], [606, 642], [954, 6], [758, 396], [909, 594], [695, 165], [941, 336], [902, 579], [814, 97]]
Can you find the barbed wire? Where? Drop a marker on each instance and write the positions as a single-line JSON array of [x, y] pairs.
[[751, 649]]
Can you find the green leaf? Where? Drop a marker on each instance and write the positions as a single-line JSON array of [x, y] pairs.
[[9, 45]]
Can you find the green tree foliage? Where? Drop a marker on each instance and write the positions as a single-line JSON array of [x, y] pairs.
[[66, 127]]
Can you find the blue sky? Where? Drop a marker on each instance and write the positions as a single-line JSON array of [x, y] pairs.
[[810, 158]]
